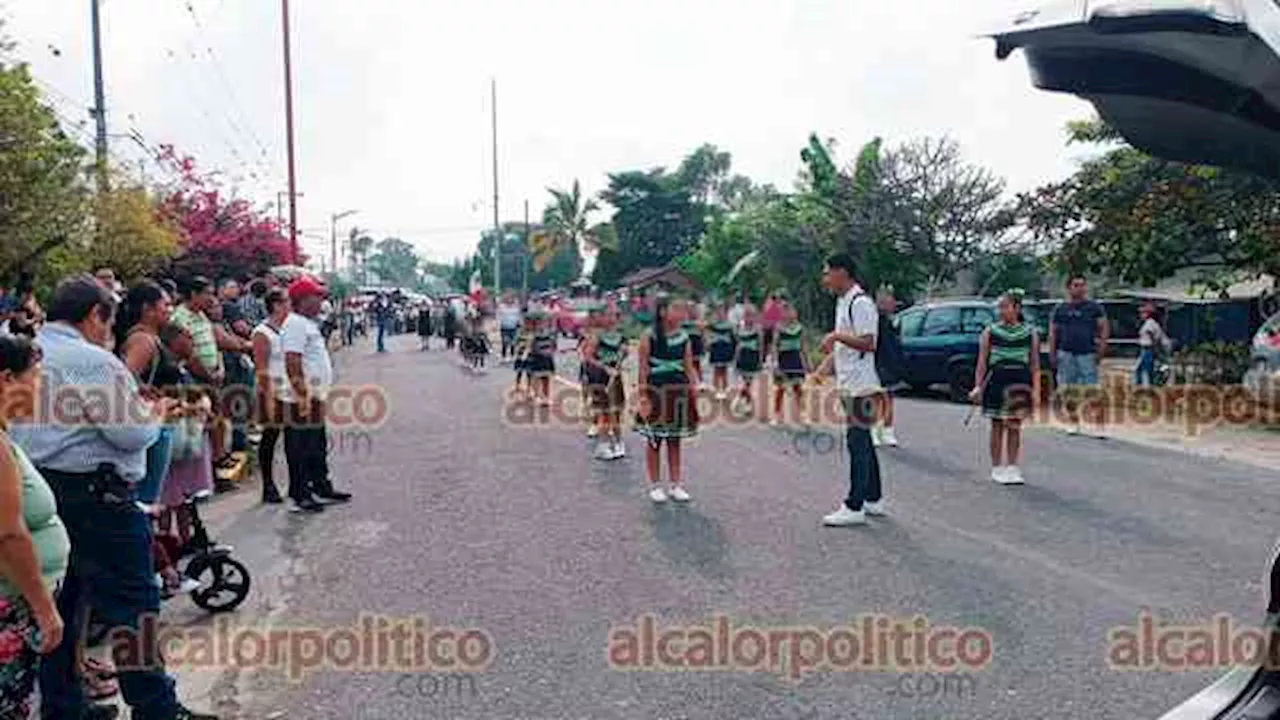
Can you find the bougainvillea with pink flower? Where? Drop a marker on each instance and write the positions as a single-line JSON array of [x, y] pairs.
[[223, 236]]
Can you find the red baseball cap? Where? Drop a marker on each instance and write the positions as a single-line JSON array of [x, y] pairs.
[[305, 287]]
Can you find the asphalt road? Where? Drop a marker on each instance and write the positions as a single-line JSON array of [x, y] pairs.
[[477, 522]]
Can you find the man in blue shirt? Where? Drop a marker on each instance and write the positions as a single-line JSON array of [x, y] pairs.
[[89, 440], [1078, 338]]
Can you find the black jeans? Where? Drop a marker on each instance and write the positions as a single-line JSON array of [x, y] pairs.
[[111, 571], [306, 449], [864, 466]]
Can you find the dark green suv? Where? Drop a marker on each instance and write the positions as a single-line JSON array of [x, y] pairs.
[[940, 340]]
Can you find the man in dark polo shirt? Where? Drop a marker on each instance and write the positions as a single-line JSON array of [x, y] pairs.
[[1078, 338]]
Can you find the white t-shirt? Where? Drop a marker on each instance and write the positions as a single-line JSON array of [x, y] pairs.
[[508, 316], [302, 335], [857, 315], [276, 371], [735, 315]]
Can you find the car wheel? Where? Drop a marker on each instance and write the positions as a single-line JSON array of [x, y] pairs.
[[960, 382]]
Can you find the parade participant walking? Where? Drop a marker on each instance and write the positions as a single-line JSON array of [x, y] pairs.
[[523, 346], [272, 385], [723, 348], [310, 373], [851, 351], [35, 546], [1078, 336], [381, 317], [696, 327], [791, 365], [424, 326], [1151, 339], [586, 335], [91, 468], [541, 364], [1008, 384], [451, 319], [508, 324], [888, 366], [668, 399], [750, 342], [603, 355]]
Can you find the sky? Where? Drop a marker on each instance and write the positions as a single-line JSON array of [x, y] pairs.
[[393, 110]]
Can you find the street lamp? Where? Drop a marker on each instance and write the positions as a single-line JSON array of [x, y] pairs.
[[333, 237]]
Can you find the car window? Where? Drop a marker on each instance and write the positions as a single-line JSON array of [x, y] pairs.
[[976, 319], [910, 323], [942, 321]]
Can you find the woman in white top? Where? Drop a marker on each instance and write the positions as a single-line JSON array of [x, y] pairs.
[[1150, 336], [272, 379]]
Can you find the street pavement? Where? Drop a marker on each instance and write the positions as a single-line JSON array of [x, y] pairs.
[[476, 521]]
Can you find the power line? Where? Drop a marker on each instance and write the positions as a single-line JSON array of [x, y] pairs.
[[217, 66]]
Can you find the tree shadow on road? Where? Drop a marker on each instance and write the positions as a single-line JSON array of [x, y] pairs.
[[691, 539]]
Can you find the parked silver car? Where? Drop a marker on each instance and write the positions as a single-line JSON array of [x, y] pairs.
[[1263, 376]]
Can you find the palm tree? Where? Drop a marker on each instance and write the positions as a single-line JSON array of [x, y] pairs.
[[360, 245], [567, 224]]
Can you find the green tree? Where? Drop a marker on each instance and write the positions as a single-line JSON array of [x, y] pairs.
[[395, 262], [1140, 219], [44, 197], [359, 244], [656, 221]]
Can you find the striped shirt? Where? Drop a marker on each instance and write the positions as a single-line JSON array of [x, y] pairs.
[[1011, 344], [202, 335], [89, 411]]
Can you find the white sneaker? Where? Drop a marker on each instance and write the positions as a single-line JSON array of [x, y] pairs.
[[1012, 476], [593, 431], [721, 395], [874, 509], [679, 494], [844, 517], [604, 452], [887, 437], [619, 450], [188, 585], [776, 422], [1073, 429], [657, 494]]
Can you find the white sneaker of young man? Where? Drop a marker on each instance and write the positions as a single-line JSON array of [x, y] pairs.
[[605, 451], [844, 517], [679, 494], [1007, 475]]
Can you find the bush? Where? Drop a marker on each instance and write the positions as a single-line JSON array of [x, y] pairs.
[[1213, 363]]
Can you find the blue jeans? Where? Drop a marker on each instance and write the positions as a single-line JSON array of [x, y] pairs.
[[110, 571], [1145, 372], [1077, 369], [382, 331], [158, 457]]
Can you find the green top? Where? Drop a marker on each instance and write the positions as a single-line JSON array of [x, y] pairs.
[[1010, 344], [666, 360], [202, 336], [40, 514], [749, 340], [609, 348], [721, 332], [692, 328], [789, 338]]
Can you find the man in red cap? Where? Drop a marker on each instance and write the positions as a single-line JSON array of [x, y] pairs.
[[310, 371]]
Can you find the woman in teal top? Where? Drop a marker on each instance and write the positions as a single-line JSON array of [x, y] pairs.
[[1008, 384], [33, 543], [668, 396]]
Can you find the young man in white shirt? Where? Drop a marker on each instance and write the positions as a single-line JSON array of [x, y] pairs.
[[851, 350], [310, 373]]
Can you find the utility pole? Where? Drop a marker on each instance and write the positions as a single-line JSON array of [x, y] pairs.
[[333, 237], [288, 119], [497, 224], [99, 98]]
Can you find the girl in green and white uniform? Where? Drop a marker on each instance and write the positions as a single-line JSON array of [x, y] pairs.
[[790, 364], [1008, 384]]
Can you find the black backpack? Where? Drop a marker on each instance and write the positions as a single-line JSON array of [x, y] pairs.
[[889, 359]]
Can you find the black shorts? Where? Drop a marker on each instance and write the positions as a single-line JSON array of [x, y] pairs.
[[721, 353], [1007, 394]]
